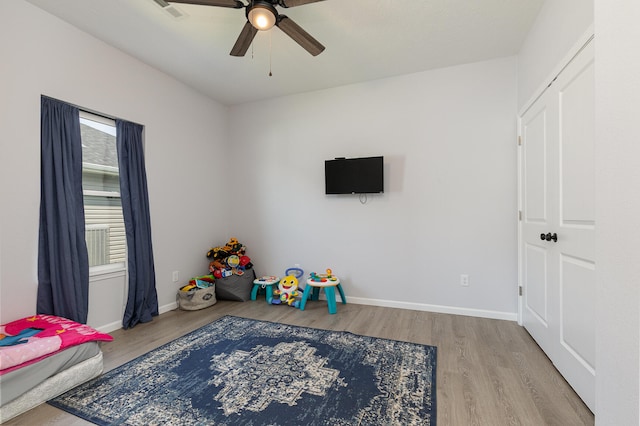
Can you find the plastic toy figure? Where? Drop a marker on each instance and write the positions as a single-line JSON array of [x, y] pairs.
[[287, 292]]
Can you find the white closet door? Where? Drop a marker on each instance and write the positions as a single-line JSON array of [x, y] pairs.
[[558, 227]]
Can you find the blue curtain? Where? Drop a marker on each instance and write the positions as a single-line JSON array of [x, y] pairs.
[[142, 302], [63, 263]]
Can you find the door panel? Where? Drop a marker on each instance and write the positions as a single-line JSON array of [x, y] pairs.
[[536, 274], [535, 166], [576, 226], [557, 192], [577, 147], [578, 309]]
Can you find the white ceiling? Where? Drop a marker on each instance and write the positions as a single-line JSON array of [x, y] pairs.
[[364, 40]]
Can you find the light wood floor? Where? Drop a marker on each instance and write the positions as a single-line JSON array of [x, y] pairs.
[[489, 372]]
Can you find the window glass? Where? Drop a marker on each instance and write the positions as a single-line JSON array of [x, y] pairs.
[[105, 234]]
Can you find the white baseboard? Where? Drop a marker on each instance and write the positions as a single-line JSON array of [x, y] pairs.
[[169, 307], [116, 325], [112, 326], [481, 313]]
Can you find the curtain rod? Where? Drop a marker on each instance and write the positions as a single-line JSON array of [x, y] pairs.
[[90, 111]]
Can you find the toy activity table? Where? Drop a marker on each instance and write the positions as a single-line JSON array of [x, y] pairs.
[[267, 283], [327, 282]]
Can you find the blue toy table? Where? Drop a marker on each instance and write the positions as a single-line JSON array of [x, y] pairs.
[[329, 285], [267, 283]]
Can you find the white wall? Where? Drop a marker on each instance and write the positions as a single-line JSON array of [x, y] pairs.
[[618, 209], [185, 136], [559, 24], [449, 207]]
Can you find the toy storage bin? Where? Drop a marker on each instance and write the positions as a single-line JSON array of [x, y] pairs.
[[236, 287], [196, 298]]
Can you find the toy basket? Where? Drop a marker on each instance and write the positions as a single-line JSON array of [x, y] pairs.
[[196, 298]]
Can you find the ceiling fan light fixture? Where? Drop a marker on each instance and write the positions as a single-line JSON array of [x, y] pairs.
[[262, 16]]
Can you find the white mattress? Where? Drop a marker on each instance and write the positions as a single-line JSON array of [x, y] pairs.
[[53, 386]]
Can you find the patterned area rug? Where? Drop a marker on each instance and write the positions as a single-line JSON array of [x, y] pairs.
[[238, 371]]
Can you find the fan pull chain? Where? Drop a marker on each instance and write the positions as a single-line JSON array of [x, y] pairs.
[[270, 54]]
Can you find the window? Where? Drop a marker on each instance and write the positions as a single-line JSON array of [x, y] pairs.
[[105, 233]]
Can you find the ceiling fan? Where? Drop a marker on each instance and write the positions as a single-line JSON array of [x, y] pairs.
[[262, 15]]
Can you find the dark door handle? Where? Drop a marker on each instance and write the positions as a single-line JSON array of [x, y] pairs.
[[549, 236]]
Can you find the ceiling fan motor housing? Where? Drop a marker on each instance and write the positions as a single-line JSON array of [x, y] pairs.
[[262, 14]]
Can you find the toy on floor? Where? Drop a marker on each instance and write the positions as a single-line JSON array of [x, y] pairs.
[[287, 292], [265, 283], [229, 259], [326, 282], [323, 278]]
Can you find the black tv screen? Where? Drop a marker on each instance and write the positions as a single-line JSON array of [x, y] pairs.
[[354, 175]]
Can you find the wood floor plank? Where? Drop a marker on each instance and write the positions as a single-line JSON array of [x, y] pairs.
[[489, 372]]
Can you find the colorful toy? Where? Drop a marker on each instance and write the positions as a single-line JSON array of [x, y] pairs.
[[216, 267], [217, 253], [326, 282], [298, 273], [244, 263], [229, 259], [188, 287], [233, 247], [204, 281], [233, 261], [216, 264], [287, 292], [233, 264], [323, 278]]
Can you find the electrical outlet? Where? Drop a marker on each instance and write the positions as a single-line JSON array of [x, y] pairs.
[[464, 280], [176, 276]]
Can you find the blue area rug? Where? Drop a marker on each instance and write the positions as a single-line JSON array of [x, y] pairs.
[[238, 371]]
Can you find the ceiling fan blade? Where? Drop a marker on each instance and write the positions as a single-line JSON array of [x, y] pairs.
[[299, 35], [236, 4], [244, 40], [294, 3]]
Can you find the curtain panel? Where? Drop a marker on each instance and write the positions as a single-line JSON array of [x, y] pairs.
[[142, 302], [63, 264]]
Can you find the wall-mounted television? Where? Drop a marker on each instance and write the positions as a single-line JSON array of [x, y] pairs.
[[354, 175]]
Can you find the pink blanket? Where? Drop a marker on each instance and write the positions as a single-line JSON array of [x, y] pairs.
[[57, 334]]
